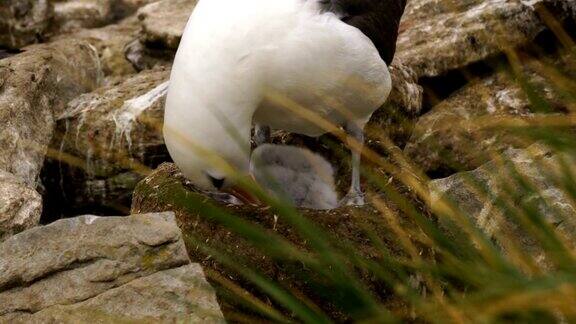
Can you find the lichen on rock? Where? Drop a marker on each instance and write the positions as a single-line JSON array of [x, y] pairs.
[[497, 195], [23, 22], [140, 272], [20, 205], [163, 22], [115, 132], [35, 87], [442, 35], [456, 134]]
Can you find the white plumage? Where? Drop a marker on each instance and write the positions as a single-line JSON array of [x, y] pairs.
[[236, 58]]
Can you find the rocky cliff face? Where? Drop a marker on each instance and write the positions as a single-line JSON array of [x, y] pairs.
[[446, 65], [35, 88], [442, 138], [65, 272], [24, 22], [82, 86]]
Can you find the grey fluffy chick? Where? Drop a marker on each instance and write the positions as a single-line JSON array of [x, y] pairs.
[[301, 177]]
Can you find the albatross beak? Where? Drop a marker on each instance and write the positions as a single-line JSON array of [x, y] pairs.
[[244, 195]]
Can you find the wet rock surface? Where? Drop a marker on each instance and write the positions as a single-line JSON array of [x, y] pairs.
[[35, 87], [115, 135], [141, 272], [23, 22]]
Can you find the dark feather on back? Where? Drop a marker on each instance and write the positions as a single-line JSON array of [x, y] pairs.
[[377, 19]]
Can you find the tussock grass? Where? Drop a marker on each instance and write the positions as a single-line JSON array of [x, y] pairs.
[[424, 270], [460, 273]]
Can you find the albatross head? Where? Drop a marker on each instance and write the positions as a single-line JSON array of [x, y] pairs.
[[209, 111], [209, 140], [211, 161]]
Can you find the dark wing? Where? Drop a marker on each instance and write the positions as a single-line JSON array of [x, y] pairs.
[[377, 19]]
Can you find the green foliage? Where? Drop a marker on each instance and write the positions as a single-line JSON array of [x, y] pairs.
[[442, 265]]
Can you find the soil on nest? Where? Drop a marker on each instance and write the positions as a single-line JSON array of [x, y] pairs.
[[207, 226]]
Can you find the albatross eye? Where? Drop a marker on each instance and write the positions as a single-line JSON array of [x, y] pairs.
[[217, 183]]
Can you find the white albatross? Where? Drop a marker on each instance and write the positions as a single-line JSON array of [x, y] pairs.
[[264, 62]]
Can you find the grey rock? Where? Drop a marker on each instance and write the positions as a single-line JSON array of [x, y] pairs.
[[452, 137], [70, 15], [116, 268], [110, 43], [476, 194], [176, 295], [35, 86], [406, 93], [398, 116], [442, 35], [22, 22], [163, 22], [20, 205], [114, 133]]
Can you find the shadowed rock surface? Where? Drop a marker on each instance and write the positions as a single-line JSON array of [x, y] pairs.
[[65, 272], [495, 193], [114, 133], [23, 22], [457, 135], [35, 87]]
